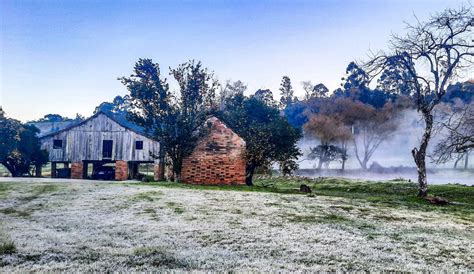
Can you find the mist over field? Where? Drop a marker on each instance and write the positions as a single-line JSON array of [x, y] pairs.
[[394, 155]]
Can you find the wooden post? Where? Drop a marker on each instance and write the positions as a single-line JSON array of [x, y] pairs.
[[53, 169], [85, 170], [38, 170]]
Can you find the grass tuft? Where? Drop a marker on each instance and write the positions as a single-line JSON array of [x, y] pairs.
[[7, 247], [176, 207], [16, 212], [157, 257], [149, 196]]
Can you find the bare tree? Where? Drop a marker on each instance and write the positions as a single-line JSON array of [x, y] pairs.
[[433, 53], [457, 129], [371, 131], [308, 89], [370, 127]]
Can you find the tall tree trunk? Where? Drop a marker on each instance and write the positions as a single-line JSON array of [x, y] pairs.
[[320, 163], [419, 155], [343, 155], [38, 170], [177, 164], [363, 164], [457, 161], [249, 171], [11, 168], [161, 157], [466, 160], [177, 177]]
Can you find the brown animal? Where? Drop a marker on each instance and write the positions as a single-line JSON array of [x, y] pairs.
[[437, 200]]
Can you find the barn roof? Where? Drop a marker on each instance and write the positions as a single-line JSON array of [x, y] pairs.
[[119, 117]]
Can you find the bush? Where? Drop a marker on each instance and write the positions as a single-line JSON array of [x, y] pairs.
[[7, 247]]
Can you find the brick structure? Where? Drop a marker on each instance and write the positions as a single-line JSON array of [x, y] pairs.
[[157, 174], [217, 158], [77, 170], [121, 170]]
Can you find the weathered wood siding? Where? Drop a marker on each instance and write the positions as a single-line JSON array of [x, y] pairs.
[[84, 142]]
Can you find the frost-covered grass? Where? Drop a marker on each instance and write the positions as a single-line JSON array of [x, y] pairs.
[[92, 226], [395, 193]]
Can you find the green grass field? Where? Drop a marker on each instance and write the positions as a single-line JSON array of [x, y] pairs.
[[396, 193]]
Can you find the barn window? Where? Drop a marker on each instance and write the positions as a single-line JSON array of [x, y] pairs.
[[107, 146], [57, 144], [138, 144]]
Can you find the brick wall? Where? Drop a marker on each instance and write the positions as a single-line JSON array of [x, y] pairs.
[[121, 170], [76, 170], [157, 172], [217, 159]]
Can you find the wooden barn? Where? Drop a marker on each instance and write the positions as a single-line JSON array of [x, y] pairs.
[[104, 146]]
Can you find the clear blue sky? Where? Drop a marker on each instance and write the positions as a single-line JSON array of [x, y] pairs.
[[65, 56]]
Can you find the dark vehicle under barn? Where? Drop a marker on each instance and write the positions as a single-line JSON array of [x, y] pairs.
[[103, 173]]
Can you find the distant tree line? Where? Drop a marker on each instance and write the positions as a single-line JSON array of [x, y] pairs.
[[20, 150]]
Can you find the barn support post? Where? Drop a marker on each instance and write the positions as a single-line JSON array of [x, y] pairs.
[[77, 170], [121, 170], [158, 171], [37, 170], [85, 170], [53, 169], [133, 169]]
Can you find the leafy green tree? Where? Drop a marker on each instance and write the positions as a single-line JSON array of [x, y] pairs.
[[296, 113], [269, 137], [119, 104], [463, 91], [266, 96], [356, 77], [327, 153], [229, 89], [152, 104], [395, 79], [55, 118], [20, 148], [317, 91], [287, 92], [174, 119], [320, 90]]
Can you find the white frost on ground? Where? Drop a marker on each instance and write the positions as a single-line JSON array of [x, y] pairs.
[[125, 227]]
